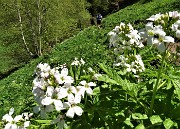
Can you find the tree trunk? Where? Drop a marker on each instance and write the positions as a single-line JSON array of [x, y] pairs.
[[22, 33], [39, 28]]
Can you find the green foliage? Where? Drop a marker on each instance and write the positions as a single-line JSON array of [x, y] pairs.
[[120, 101], [43, 26], [137, 13]]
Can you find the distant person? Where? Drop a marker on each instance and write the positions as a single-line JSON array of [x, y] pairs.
[[99, 19]]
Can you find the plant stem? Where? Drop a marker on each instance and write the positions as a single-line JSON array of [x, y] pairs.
[[157, 83]]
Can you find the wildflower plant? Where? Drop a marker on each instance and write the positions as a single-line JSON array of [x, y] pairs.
[[127, 42], [60, 92], [18, 122]]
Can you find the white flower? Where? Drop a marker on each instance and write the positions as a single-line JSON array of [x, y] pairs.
[[178, 34], [49, 99], [11, 126], [149, 26], [168, 39], [113, 39], [63, 77], [154, 17], [67, 91], [43, 70], [176, 26], [74, 110], [75, 62], [40, 83], [82, 61], [87, 87], [26, 124], [174, 14], [11, 122], [27, 116]]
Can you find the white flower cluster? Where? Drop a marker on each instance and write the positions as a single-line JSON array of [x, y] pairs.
[[18, 122], [133, 63], [76, 62], [155, 35], [124, 37], [54, 90], [159, 30], [176, 27]]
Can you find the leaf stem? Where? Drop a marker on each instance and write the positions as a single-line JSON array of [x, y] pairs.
[[157, 83]]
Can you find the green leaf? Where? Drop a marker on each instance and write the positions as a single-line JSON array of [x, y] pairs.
[[168, 123], [128, 122], [140, 126], [155, 119], [96, 90], [137, 116], [106, 79], [176, 84]]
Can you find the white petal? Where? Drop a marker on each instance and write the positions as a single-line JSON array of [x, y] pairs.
[[27, 124], [91, 84], [14, 126], [11, 111], [73, 89], [50, 91], [89, 91], [70, 98], [8, 126], [18, 118], [7, 118], [83, 83], [62, 93], [70, 113], [178, 34], [82, 91], [47, 101], [77, 98], [58, 105], [64, 71], [78, 110], [168, 39]]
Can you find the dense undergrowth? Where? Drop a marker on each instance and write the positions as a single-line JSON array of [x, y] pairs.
[[91, 44]]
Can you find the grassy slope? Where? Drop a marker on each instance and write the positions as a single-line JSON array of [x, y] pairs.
[[90, 44]]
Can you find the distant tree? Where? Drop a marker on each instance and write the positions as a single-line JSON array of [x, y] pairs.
[[40, 24]]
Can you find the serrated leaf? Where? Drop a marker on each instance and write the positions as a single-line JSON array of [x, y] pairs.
[[137, 116], [168, 123], [155, 119], [176, 84], [140, 126], [106, 79]]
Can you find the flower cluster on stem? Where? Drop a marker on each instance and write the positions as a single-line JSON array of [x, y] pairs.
[[55, 91]]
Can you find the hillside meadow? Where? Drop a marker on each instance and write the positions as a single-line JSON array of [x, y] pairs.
[[120, 99]]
